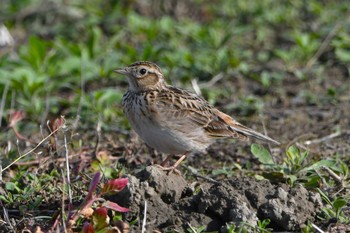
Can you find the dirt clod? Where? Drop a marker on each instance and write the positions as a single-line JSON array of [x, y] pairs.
[[170, 204]]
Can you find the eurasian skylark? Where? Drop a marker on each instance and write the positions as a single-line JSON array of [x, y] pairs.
[[172, 120]]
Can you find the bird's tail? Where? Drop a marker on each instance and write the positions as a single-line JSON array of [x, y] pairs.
[[251, 133], [243, 130]]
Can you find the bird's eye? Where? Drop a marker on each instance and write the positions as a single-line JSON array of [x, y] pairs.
[[143, 71]]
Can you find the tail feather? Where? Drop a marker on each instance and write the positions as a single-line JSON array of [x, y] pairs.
[[251, 133], [243, 130]]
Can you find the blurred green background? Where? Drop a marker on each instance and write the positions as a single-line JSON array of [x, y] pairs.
[[63, 53]]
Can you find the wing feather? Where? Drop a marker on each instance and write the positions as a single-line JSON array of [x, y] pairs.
[[189, 110]]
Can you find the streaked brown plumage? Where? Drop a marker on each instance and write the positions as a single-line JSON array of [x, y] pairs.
[[172, 120]]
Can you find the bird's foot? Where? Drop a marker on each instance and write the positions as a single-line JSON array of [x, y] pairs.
[[172, 169], [169, 170]]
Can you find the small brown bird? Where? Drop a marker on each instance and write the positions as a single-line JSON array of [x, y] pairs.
[[172, 120]]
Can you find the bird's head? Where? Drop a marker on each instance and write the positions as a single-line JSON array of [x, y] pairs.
[[143, 75]]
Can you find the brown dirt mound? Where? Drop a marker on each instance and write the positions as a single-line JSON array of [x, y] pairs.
[[172, 203]]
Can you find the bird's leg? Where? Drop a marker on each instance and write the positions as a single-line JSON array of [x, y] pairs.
[[179, 161], [166, 160], [173, 167]]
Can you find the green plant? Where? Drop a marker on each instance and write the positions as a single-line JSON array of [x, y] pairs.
[[294, 166], [308, 228], [262, 225], [341, 44], [25, 188], [192, 229], [335, 209], [248, 105], [245, 227]]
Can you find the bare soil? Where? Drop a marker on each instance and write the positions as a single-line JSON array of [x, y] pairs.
[[174, 204], [303, 112]]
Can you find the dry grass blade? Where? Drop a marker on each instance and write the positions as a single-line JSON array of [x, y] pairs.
[[32, 150], [144, 218]]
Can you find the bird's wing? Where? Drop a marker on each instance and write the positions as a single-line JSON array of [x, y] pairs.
[[189, 110], [185, 109]]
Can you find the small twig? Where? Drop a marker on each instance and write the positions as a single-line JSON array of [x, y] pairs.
[[67, 166], [193, 230], [62, 213], [144, 221], [296, 139], [317, 228], [325, 138], [322, 178], [32, 150], [195, 86], [328, 39], [41, 131], [63, 209], [98, 131], [6, 216], [212, 81], [195, 173], [336, 178], [56, 145], [18, 149], [301, 146], [3, 100]]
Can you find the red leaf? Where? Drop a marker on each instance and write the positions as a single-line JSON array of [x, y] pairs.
[[114, 206], [115, 185], [16, 117], [93, 185], [88, 228], [58, 123], [100, 218], [101, 212]]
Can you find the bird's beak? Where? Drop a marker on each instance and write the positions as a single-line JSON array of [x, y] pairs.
[[122, 70]]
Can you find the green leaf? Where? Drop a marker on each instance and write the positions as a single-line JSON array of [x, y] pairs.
[[317, 165], [6, 199], [261, 154], [312, 182], [324, 196], [339, 203], [293, 152], [343, 55], [292, 179], [344, 168], [274, 176], [10, 186], [35, 53]]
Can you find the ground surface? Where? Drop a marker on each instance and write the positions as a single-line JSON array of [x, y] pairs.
[[176, 202], [281, 69], [243, 199], [172, 203]]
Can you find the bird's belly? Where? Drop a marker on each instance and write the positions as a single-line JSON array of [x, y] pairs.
[[166, 140], [171, 137]]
